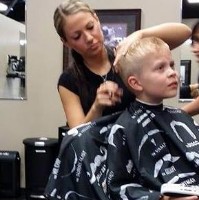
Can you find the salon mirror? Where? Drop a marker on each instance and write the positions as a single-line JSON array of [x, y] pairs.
[[189, 68], [12, 50]]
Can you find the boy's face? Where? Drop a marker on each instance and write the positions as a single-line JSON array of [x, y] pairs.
[[158, 79]]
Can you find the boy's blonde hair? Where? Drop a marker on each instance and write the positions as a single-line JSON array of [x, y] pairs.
[[67, 8], [131, 63]]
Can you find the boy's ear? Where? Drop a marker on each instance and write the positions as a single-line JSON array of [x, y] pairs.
[[134, 83]]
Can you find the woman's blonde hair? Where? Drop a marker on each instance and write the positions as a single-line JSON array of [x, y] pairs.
[[131, 63], [65, 9]]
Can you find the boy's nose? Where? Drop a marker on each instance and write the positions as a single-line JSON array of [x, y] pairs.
[[172, 72]]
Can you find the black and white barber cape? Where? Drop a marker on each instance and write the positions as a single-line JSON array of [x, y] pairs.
[[127, 155], [80, 170], [151, 145]]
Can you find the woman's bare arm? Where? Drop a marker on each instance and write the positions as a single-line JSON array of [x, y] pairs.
[[108, 94], [174, 34], [73, 109]]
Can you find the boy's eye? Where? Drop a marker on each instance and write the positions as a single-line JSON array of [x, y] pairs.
[[172, 65], [160, 67]]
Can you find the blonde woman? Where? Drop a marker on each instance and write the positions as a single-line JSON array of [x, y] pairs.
[[90, 87]]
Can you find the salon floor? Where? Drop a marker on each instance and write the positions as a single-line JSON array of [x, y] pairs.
[[17, 198], [23, 197], [20, 197]]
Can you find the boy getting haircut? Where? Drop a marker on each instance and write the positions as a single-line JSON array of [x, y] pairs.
[[151, 143]]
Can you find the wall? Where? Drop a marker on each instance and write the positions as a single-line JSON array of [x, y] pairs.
[[42, 113]]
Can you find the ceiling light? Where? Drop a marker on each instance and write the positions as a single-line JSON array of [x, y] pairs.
[[3, 7], [193, 1]]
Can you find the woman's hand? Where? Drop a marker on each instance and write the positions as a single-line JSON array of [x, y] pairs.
[[174, 34], [108, 94], [123, 46]]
